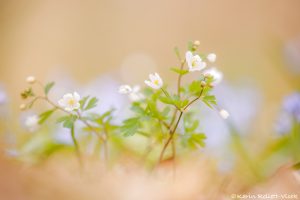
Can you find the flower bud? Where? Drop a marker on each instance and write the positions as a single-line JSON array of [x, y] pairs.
[[207, 75], [211, 57], [30, 79], [224, 114], [203, 83], [22, 106], [196, 43]]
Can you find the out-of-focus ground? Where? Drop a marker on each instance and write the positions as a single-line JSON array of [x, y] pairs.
[[128, 40]]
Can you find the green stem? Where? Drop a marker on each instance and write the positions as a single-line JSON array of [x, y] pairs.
[[76, 146], [170, 138]]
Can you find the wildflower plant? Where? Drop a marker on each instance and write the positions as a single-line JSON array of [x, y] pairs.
[[164, 117]]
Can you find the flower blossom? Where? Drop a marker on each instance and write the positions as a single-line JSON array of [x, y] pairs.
[[155, 81], [216, 74], [32, 123], [224, 114], [134, 93], [70, 101], [125, 89], [194, 62]]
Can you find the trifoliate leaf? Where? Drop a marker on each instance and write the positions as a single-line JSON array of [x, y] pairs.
[[130, 126]]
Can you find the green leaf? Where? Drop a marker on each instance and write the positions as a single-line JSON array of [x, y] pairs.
[[91, 103], [166, 100], [131, 126], [136, 107], [45, 115], [180, 71], [183, 103], [209, 100], [83, 101], [48, 87], [67, 121], [197, 139], [195, 87], [166, 111]]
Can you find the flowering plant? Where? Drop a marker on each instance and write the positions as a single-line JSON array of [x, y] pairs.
[[164, 118]]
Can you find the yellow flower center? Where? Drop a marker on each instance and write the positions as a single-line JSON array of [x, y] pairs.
[[156, 82], [194, 63], [71, 102]]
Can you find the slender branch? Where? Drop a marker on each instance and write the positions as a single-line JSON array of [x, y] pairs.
[[195, 99], [170, 138], [176, 125], [179, 79], [76, 146], [105, 145], [167, 95]]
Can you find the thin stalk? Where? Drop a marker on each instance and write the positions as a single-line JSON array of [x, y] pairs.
[[176, 125], [167, 95], [76, 147], [170, 138]]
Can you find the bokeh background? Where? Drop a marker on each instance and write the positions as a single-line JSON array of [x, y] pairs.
[[92, 42]]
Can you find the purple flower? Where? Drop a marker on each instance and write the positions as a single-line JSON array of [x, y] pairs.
[[290, 113], [291, 105]]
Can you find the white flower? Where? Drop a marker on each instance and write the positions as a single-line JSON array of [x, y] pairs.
[[70, 101], [30, 79], [216, 74], [135, 94], [32, 123], [194, 62], [224, 114], [155, 81], [125, 89], [211, 57]]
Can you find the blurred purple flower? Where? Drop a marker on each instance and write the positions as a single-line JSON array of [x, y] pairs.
[[291, 105], [290, 112]]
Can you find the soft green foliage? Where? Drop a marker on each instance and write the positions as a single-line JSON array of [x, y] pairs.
[[91, 103], [162, 117], [131, 126], [67, 121], [48, 87], [45, 115]]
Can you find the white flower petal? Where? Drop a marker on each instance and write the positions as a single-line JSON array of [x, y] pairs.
[[62, 103], [188, 56], [76, 96]]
